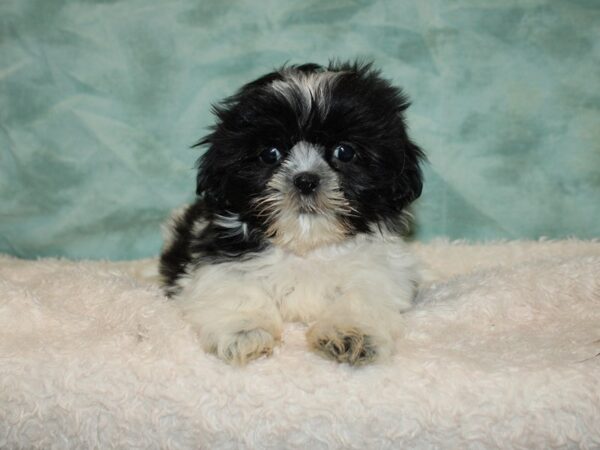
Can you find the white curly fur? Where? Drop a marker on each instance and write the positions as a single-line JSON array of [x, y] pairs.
[[501, 351], [358, 286]]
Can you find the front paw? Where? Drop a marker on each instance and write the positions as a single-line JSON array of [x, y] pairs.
[[241, 347], [343, 344]]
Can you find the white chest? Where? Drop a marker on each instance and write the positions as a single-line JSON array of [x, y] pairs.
[[302, 286]]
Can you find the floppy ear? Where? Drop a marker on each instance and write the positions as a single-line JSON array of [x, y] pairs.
[[408, 181], [211, 179], [214, 166]]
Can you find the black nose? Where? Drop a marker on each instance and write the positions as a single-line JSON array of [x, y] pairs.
[[306, 182]]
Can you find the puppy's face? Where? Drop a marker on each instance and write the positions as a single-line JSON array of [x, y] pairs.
[[312, 155]]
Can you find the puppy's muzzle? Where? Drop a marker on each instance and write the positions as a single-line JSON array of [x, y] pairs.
[[307, 182]]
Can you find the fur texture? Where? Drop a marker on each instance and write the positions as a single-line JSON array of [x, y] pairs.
[[301, 195], [500, 351]]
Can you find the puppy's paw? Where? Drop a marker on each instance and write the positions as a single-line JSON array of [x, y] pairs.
[[243, 346], [344, 345]]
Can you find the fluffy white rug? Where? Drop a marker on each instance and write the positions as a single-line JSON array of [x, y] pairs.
[[502, 350]]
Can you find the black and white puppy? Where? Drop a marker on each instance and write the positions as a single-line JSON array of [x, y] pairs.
[[301, 195]]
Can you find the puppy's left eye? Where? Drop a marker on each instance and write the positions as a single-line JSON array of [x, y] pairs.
[[344, 153], [270, 156]]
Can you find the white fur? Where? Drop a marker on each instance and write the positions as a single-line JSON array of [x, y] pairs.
[[292, 229], [499, 353], [315, 89], [361, 284], [232, 222]]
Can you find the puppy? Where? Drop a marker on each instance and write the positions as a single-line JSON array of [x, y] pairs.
[[301, 196]]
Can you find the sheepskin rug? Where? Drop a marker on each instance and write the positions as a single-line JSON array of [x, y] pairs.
[[502, 350]]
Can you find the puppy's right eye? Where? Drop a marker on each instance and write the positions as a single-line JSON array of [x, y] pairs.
[[270, 155]]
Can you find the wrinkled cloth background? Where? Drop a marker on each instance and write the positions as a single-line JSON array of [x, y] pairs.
[[101, 100]]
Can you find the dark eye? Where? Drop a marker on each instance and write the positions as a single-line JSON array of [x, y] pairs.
[[344, 153], [270, 155]]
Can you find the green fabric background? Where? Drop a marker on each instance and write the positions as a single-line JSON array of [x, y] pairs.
[[100, 101]]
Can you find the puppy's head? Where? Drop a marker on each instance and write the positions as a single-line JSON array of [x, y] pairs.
[[311, 155]]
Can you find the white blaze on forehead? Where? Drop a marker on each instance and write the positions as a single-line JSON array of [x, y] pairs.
[[305, 158], [313, 89]]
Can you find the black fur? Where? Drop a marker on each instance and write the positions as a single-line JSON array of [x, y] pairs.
[[364, 111]]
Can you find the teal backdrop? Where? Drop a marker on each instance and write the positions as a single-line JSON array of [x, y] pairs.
[[100, 102]]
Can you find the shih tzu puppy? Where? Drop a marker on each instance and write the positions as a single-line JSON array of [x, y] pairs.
[[301, 199]]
